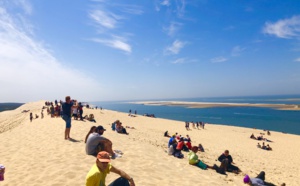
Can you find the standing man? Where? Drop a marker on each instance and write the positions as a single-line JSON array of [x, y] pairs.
[[67, 106], [96, 176]]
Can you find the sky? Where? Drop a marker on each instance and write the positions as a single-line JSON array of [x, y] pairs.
[[106, 50]]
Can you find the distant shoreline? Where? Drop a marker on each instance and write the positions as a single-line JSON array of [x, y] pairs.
[[293, 107]]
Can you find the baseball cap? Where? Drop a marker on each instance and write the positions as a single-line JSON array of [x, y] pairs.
[[103, 156], [100, 128]]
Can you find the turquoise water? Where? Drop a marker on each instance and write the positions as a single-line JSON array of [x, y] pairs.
[[252, 117]]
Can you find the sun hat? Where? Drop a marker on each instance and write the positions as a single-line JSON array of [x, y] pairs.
[[246, 179], [103, 156]]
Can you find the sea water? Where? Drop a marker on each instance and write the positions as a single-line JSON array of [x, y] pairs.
[[252, 117]]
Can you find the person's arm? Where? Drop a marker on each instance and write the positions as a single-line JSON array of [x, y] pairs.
[[230, 159], [221, 158], [123, 175]]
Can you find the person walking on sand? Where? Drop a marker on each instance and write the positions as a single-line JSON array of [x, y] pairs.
[[31, 117], [97, 174], [67, 109]]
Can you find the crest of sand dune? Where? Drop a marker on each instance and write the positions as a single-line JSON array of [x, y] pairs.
[[35, 153]]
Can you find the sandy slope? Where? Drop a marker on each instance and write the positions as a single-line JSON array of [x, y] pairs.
[[35, 153]]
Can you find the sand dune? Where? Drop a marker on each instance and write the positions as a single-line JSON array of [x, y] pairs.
[[35, 153]]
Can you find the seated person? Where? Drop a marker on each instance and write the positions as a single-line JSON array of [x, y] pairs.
[[91, 118], [120, 128], [264, 146], [172, 140], [96, 142], [258, 145], [268, 147], [200, 147], [187, 138], [269, 133], [230, 168], [97, 174], [252, 136], [181, 145], [188, 144], [166, 134], [194, 160]]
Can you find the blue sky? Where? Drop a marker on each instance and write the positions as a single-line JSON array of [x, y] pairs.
[[96, 50]]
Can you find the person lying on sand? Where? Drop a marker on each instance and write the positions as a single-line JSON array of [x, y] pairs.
[[259, 180], [96, 142], [194, 160], [97, 174], [230, 168]]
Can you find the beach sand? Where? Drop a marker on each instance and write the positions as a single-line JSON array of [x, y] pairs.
[[213, 104], [35, 153]]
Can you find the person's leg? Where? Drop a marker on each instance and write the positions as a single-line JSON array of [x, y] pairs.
[[119, 182], [66, 133], [261, 175], [68, 127], [107, 145]]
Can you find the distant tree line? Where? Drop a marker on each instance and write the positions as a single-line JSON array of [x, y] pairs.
[[9, 106]]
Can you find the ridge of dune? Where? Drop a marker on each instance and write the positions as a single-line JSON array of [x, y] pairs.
[[35, 153]]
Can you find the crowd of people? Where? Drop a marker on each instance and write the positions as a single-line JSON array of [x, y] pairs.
[[195, 125], [102, 148]]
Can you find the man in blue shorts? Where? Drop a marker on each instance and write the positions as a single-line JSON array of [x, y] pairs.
[[66, 106]]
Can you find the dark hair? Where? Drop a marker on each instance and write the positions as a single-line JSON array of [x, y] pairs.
[[91, 130]]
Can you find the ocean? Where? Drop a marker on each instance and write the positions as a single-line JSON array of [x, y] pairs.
[[252, 117]]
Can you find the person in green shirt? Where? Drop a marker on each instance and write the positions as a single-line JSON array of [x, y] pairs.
[[194, 160], [97, 174]]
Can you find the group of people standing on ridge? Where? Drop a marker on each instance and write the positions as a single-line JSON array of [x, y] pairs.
[[194, 125]]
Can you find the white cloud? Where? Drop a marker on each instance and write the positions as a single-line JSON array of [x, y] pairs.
[[179, 61], [297, 60], [116, 42], [25, 5], [165, 3], [29, 72], [132, 9], [218, 59], [173, 28], [180, 5], [175, 47], [285, 28], [236, 51], [107, 20]]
